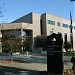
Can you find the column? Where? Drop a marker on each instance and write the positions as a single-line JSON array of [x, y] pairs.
[[22, 38], [0, 42]]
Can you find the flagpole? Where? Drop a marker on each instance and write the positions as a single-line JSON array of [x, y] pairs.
[[71, 33]]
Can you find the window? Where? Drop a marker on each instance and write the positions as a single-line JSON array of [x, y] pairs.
[[70, 26], [58, 23], [16, 33], [51, 22], [74, 27], [65, 25]]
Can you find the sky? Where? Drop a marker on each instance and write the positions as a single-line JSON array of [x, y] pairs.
[[18, 8]]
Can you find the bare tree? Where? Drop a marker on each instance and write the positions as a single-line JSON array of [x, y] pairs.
[[2, 10]]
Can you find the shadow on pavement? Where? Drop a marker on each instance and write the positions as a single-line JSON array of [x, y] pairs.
[[31, 60], [17, 71]]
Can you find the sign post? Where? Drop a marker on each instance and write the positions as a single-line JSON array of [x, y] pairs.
[[54, 54]]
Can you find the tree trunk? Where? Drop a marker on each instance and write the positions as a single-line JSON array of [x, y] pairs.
[[11, 55]]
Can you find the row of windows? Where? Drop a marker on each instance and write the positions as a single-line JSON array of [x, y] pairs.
[[53, 22], [68, 26], [58, 24]]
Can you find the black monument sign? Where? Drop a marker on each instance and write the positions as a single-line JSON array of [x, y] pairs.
[[54, 54]]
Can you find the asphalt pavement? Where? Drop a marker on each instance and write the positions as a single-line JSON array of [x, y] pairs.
[[32, 64]]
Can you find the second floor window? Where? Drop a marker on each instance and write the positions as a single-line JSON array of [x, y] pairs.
[[58, 23], [65, 25], [51, 22], [70, 26]]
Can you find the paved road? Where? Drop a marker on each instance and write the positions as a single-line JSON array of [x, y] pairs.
[[31, 66]]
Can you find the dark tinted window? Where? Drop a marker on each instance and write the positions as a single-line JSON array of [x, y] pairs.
[[70, 26], [51, 22], [65, 25], [58, 23]]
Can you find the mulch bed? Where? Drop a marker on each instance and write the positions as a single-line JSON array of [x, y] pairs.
[[67, 72], [8, 61]]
